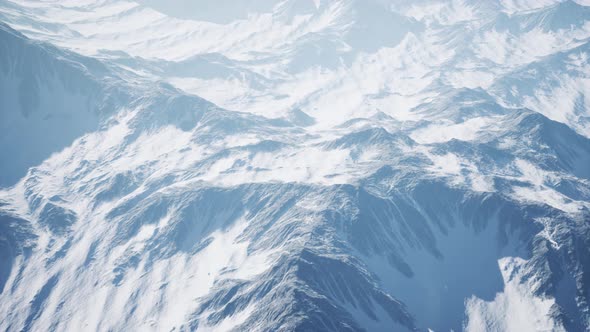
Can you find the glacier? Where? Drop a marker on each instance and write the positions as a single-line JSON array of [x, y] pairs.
[[294, 165]]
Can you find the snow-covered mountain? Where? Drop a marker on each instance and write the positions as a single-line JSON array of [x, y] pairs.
[[307, 165]]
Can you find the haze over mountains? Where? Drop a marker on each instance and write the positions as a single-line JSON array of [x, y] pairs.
[[280, 165]]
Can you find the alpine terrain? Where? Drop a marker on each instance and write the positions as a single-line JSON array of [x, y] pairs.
[[294, 165]]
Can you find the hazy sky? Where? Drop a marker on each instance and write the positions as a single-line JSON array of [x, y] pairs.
[[218, 11]]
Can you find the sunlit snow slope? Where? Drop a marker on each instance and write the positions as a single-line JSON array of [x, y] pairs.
[[294, 165]]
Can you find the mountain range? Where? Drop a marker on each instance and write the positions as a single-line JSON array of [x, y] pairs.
[[294, 165]]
